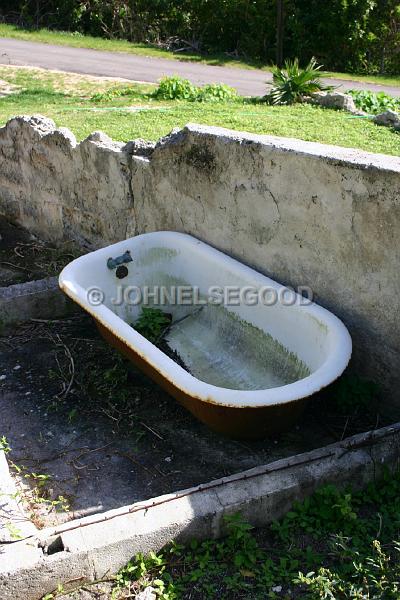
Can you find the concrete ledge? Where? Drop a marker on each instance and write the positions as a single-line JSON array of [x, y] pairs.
[[94, 547], [14, 524], [32, 300], [335, 154]]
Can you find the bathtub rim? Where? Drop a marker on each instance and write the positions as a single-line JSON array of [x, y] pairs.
[[326, 373]]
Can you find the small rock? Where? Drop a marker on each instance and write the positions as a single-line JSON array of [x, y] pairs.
[[99, 136], [336, 100], [148, 594], [139, 147], [42, 125], [101, 139], [389, 118], [277, 589]]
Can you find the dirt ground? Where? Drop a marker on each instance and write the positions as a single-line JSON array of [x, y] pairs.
[[7, 88], [105, 434], [61, 81], [88, 432], [23, 257]]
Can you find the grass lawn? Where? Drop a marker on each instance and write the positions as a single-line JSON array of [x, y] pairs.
[[68, 99], [77, 40]]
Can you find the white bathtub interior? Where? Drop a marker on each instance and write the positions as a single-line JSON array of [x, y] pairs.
[[236, 347], [220, 348]]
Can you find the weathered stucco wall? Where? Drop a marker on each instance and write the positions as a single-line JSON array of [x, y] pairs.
[[304, 213], [60, 189]]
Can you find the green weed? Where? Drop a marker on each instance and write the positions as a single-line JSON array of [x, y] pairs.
[[176, 88], [39, 484], [152, 323], [333, 545], [4, 445], [374, 102]]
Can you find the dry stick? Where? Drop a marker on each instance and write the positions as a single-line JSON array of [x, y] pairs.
[[87, 584], [165, 331], [135, 462], [72, 367], [159, 471], [56, 592], [9, 264], [192, 314], [80, 467], [59, 342], [63, 386], [76, 458], [93, 450], [152, 430], [18, 253], [345, 428], [62, 319], [53, 457]]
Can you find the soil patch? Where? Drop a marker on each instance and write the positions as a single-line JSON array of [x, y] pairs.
[[24, 257], [103, 435]]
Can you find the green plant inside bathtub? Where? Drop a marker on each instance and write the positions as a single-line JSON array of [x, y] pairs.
[[154, 324]]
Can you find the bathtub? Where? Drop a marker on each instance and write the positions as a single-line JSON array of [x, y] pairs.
[[254, 352]]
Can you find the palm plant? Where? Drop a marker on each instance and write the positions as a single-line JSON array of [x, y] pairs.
[[292, 83]]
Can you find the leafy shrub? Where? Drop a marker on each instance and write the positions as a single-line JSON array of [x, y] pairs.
[[152, 323], [335, 545], [176, 88], [292, 83], [374, 102], [375, 576], [328, 509], [216, 92]]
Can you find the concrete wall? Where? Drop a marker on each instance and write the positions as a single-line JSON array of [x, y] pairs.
[[304, 213]]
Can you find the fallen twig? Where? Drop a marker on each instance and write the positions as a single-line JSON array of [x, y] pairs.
[[71, 367], [18, 267], [134, 461], [152, 430]]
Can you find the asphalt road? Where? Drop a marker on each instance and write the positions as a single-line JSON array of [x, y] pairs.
[[141, 68]]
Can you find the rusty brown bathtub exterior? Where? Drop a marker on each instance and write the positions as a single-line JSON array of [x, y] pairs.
[[236, 422]]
